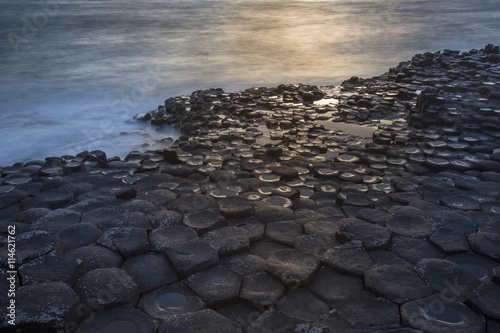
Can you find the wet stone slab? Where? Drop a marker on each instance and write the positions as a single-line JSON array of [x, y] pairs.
[[79, 235], [434, 314], [293, 268], [371, 235], [168, 301], [49, 305], [350, 258], [31, 245], [200, 321], [301, 303], [332, 286], [284, 232], [446, 277], [166, 238], [95, 256], [119, 319], [192, 256], [128, 242], [396, 283], [217, 286], [149, 271], [364, 307], [106, 288], [261, 291], [52, 267], [204, 220], [228, 240], [484, 299]]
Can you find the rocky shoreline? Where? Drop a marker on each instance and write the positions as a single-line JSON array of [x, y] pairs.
[[268, 216]]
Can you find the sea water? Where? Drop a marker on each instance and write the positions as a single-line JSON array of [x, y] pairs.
[[74, 73]]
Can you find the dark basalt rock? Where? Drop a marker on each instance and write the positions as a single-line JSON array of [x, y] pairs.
[[371, 235], [460, 202], [165, 218], [78, 235], [46, 305], [396, 283], [271, 213], [169, 301], [160, 197], [204, 220], [332, 286], [416, 191], [31, 245], [350, 258], [200, 321], [292, 268], [413, 250], [261, 291], [273, 321], [244, 264], [449, 242], [57, 220], [410, 223], [434, 314], [95, 256], [137, 205], [103, 217], [254, 227], [106, 288], [169, 237], [52, 267], [484, 299], [313, 244], [301, 303], [476, 264], [129, 242], [485, 243], [149, 271], [56, 198], [120, 319], [217, 286], [284, 232], [236, 207], [192, 203], [228, 240], [447, 278], [453, 220], [192, 256], [30, 215], [364, 307]]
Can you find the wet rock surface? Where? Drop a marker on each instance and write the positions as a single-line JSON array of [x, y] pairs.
[[369, 207]]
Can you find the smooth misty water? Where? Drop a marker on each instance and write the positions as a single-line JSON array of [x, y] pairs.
[[73, 73]]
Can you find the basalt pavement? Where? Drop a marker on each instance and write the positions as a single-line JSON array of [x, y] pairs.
[[269, 217]]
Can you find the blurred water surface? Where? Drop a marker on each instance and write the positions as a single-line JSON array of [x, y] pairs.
[[73, 73]]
